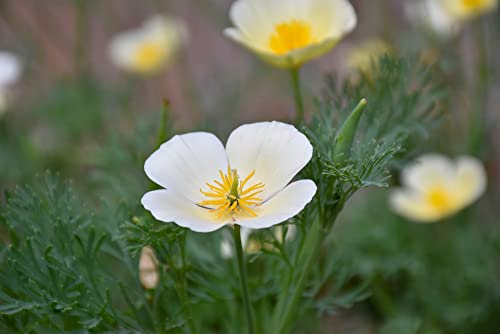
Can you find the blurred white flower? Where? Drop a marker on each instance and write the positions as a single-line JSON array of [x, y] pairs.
[[288, 33], [445, 17], [149, 48], [436, 187], [467, 9], [247, 183], [366, 54], [148, 268], [431, 15], [10, 71]]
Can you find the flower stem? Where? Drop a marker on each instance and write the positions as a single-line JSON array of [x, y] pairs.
[[289, 299], [185, 297], [297, 93], [479, 118], [243, 276]]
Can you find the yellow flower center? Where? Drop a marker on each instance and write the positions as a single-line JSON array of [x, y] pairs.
[[440, 199], [148, 56], [230, 196], [473, 4], [291, 35]]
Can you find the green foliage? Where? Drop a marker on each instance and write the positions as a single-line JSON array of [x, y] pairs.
[[440, 277], [71, 267], [402, 96], [63, 271]]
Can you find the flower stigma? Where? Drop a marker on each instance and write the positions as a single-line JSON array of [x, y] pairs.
[[291, 35], [230, 195]]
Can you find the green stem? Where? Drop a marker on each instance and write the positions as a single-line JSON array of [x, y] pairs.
[[288, 300], [297, 93], [186, 301], [243, 275], [479, 122], [161, 135]]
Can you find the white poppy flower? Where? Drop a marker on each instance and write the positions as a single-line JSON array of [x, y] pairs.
[[10, 71], [288, 33], [436, 187], [431, 15], [149, 48], [247, 183], [148, 268]]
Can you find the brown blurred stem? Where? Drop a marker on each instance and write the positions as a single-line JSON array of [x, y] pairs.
[[81, 36]]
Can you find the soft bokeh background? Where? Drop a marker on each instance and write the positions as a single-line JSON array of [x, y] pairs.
[[72, 108]]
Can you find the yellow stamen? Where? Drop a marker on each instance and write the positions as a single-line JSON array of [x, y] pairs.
[[149, 56], [291, 35], [230, 196], [440, 198]]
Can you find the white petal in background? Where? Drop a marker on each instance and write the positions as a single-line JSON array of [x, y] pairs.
[[431, 15], [10, 69]]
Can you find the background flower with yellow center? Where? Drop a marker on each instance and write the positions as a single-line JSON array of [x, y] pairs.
[[288, 33], [149, 48], [466, 9], [436, 187], [266, 155]]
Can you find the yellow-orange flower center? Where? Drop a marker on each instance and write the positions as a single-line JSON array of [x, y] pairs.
[[474, 4], [291, 35], [440, 199], [149, 56], [230, 195]]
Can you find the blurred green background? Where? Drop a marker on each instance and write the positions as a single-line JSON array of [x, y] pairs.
[[74, 113]]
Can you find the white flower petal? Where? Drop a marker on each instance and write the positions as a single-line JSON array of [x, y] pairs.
[[168, 206], [186, 162], [256, 19], [10, 68], [330, 18], [226, 248], [123, 47], [471, 179], [276, 151], [430, 170], [285, 205]]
